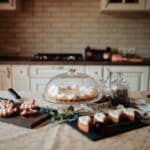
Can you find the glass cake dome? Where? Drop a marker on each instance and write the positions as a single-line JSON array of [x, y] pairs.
[[72, 88]]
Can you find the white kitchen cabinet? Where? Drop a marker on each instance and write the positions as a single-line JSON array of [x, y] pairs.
[[147, 5], [122, 5], [35, 77], [40, 75], [20, 77], [9, 4], [94, 71], [137, 77], [5, 77]]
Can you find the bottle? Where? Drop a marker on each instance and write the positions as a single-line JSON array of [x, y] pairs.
[[120, 91], [107, 54]]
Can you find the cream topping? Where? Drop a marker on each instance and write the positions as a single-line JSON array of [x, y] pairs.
[[53, 90], [100, 117], [115, 113], [71, 96], [74, 86], [61, 95], [129, 111], [80, 91], [84, 120]]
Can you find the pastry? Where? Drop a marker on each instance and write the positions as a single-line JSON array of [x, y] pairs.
[[99, 118], [28, 109], [28, 112], [114, 115], [7, 112], [129, 113], [85, 123], [7, 108], [6, 104], [27, 105]]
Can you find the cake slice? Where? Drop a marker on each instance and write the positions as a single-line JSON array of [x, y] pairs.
[[114, 115], [99, 118], [85, 123], [129, 113]]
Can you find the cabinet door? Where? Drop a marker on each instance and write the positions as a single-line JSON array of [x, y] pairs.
[[94, 71], [137, 77], [5, 77], [20, 77], [122, 5], [147, 4], [38, 84]]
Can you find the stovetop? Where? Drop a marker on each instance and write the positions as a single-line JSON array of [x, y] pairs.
[[58, 57]]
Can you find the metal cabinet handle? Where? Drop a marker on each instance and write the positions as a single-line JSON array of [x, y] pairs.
[[8, 72]]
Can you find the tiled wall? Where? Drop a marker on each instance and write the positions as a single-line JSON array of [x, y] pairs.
[[71, 25]]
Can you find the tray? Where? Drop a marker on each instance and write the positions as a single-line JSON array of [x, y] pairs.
[[32, 121], [53, 101], [105, 131]]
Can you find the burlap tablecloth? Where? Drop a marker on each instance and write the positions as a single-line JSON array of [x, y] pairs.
[[63, 137]]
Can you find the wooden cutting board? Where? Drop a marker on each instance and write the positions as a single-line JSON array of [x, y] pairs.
[[27, 122]]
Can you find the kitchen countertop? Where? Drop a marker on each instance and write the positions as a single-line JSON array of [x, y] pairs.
[[63, 137], [29, 61]]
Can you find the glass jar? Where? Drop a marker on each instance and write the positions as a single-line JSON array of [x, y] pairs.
[[119, 87], [106, 90]]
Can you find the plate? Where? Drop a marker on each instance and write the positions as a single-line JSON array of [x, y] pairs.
[[46, 98], [105, 131]]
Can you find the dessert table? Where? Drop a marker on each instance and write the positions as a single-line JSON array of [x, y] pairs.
[[63, 137]]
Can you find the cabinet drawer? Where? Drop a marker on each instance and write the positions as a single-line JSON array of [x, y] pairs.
[[94, 71], [20, 77], [52, 70], [20, 70]]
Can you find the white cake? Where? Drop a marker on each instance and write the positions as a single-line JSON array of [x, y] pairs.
[[71, 93]]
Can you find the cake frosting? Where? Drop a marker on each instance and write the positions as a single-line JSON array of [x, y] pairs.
[[100, 117], [115, 113], [84, 120], [53, 90], [129, 111]]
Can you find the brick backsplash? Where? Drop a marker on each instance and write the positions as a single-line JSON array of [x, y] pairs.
[[71, 25]]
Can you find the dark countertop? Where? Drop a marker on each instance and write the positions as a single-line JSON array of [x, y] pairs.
[[29, 61]]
